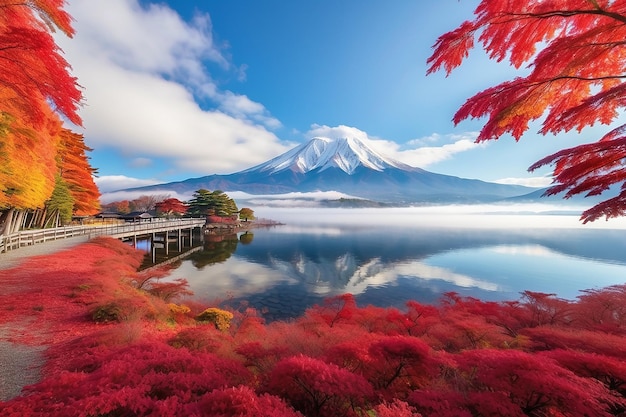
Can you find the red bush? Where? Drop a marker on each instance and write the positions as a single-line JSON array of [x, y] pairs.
[[239, 401], [610, 371], [398, 363], [396, 408], [136, 380], [199, 339], [333, 310], [317, 388], [532, 385]]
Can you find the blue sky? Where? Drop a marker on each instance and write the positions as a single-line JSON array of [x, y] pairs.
[[184, 89]]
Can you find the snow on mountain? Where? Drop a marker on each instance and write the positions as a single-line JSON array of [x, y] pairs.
[[320, 154]]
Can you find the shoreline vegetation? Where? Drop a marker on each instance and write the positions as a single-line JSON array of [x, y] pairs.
[[105, 339], [240, 226]]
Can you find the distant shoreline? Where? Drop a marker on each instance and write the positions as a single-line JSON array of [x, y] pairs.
[[211, 228]]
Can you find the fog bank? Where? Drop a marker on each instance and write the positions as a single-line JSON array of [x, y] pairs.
[[453, 216]]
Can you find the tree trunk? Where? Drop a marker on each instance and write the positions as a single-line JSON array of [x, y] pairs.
[[8, 222], [18, 219], [5, 221], [51, 219], [30, 218], [41, 216]]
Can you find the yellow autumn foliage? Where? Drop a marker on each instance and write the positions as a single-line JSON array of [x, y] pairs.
[[220, 318]]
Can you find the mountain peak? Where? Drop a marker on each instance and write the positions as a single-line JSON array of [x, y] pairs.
[[321, 153]]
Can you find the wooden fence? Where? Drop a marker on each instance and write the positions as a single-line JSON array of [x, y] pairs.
[[33, 237]]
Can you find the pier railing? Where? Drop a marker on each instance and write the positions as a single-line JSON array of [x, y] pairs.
[[33, 237]]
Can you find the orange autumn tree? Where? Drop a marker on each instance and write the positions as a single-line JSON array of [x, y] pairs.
[[576, 53], [75, 169], [27, 170], [38, 157], [74, 187]]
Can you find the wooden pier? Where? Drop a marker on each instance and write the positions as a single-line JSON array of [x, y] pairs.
[[169, 229]]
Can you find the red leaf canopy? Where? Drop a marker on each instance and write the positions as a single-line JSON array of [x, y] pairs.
[[575, 50]]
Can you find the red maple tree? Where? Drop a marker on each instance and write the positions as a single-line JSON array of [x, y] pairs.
[[32, 65], [170, 207], [575, 80]]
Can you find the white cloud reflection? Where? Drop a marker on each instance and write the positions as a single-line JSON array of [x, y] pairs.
[[237, 278], [532, 250]]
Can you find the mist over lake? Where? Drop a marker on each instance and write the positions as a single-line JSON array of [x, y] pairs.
[[386, 257]]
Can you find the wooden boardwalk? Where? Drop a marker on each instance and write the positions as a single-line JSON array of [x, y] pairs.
[[25, 238]]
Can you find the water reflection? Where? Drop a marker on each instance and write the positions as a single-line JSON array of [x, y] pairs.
[[285, 269], [216, 249]]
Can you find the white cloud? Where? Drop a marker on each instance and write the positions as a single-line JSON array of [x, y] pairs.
[[107, 183], [240, 106], [429, 155], [144, 72], [420, 156], [337, 132]]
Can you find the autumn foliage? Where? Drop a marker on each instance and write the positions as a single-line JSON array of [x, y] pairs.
[[536, 356], [170, 207], [39, 156], [576, 55], [33, 68]]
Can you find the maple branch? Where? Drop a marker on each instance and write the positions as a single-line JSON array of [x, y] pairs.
[[510, 86], [567, 13], [574, 77], [21, 3]]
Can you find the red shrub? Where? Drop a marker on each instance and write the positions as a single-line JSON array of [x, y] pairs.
[[546, 309], [603, 309], [610, 371], [137, 380], [334, 310], [419, 318], [532, 384], [548, 337], [319, 389], [241, 402], [352, 355], [199, 339], [396, 408], [440, 403], [260, 358], [169, 291], [398, 361]]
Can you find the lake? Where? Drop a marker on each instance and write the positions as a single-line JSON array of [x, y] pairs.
[[387, 257]]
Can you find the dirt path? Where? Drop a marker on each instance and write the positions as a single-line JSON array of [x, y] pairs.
[[20, 363], [14, 257]]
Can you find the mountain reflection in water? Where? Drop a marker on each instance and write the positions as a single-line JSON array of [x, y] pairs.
[[284, 270]]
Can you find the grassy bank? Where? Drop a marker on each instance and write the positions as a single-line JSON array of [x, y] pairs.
[[120, 343]]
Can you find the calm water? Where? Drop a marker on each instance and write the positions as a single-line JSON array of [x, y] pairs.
[[285, 269]]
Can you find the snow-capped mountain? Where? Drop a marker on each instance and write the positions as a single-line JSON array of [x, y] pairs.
[[320, 154], [348, 166]]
